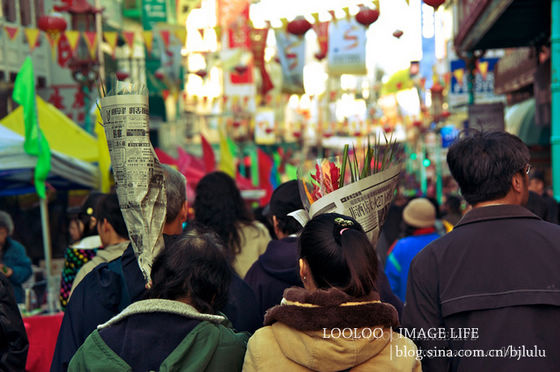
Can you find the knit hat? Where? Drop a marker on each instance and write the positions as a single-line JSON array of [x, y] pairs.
[[420, 213]]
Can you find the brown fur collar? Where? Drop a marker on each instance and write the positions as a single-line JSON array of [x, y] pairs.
[[328, 313]]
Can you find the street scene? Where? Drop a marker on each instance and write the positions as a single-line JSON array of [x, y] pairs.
[[266, 185]]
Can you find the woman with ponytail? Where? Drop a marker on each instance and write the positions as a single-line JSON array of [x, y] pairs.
[[336, 322]]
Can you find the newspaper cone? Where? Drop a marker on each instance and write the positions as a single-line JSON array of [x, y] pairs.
[[138, 174], [367, 200]]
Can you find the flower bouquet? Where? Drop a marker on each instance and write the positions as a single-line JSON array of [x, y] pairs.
[[359, 183]]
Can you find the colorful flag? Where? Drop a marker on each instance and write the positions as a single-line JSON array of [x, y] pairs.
[[265, 168], [207, 155], [91, 41], [227, 155], [148, 40], [11, 31], [111, 37], [73, 37], [32, 34], [35, 142]]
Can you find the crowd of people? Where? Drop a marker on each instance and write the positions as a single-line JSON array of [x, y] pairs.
[[230, 293]]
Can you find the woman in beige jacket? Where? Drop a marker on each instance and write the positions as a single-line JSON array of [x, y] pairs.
[[335, 323], [219, 206]]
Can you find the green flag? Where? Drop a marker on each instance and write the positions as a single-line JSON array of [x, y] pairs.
[[35, 142], [227, 155]]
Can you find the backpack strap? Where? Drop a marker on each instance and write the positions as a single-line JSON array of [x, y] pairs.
[[116, 267]]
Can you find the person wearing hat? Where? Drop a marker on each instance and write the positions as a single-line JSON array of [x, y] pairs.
[[277, 268], [419, 217]]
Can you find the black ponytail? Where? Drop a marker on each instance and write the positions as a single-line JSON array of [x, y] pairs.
[[339, 254]]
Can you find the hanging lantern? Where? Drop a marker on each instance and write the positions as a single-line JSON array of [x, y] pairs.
[[299, 26], [53, 25], [416, 123], [398, 34], [202, 73], [434, 3], [122, 75], [297, 134], [320, 55], [327, 134], [387, 129], [437, 88], [445, 114], [236, 124], [367, 16], [269, 130]]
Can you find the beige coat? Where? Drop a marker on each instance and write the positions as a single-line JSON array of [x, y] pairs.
[[281, 348], [327, 330], [254, 240]]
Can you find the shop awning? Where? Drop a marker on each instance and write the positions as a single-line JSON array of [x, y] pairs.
[[520, 120], [63, 134], [494, 24]]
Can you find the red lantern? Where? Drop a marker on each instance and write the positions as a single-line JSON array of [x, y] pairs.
[[398, 34], [201, 73], [53, 24], [297, 134], [299, 26], [434, 3], [327, 134], [445, 114], [387, 129], [367, 16], [417, 123], [357, 134], [122, 75], [320, 55], [236, 124], [269, 130], [437, 88]]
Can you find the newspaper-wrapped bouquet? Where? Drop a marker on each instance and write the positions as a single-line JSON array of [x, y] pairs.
[[139, 177], [359, 183]]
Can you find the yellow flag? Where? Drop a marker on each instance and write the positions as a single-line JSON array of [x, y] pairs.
[[148, 39], [459, 74], [53, 40], [73, 37], [104, 157], [483, 68], [32, 34], [111, 38], [181, 34], [91, 41], [227, 162]]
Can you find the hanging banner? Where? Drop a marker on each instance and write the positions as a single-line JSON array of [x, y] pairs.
[[291, 53], [31, 34], [165, 38], [230, 10], [64, 51], [91, 41], [264, 127], [347, 47], [258, 45], [148, 39], [53, 39], [111, 39], [483, 82], [129, 38], [72, 37], [12, 32], [181, 35], [322, 31]]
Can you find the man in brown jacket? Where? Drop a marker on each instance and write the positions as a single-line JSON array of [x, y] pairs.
[[486, 296]]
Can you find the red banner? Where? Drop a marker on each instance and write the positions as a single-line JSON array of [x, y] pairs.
[[258, 45], [230, 10], [322, 31]]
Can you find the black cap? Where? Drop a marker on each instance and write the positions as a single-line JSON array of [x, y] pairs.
[[285, 199]]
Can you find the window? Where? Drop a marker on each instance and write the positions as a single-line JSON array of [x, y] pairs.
[[9, 10], [25, 12]]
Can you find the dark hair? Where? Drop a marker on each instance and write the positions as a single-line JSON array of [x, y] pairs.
[[108, 208], [484, 163], [288, 225], [453, 204], [218, 205], [193, 266], [344, 260], [86, 212]]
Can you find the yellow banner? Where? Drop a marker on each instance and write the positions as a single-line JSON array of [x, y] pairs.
[[181, 34], [111, 37], [73, 37], [148, 39], [32, 34], [91, 41]]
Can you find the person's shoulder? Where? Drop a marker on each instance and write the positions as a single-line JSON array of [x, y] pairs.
[[15, 245], [225, 334], [262, 337]]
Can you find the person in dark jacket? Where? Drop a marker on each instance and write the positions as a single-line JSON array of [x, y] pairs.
[[178, 327], [13, 338], [496, 275], [277, 268], [14, 263]]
